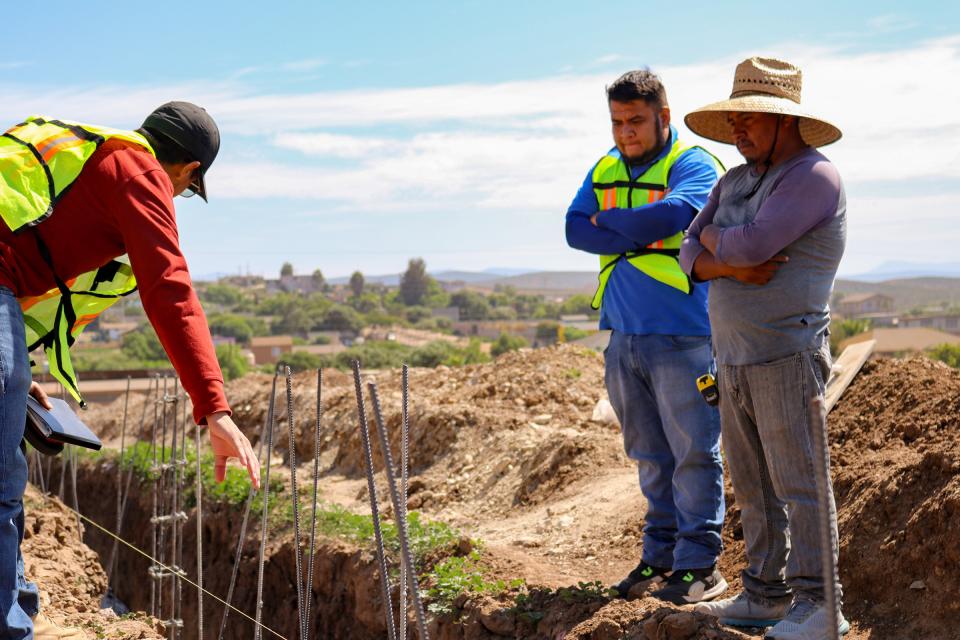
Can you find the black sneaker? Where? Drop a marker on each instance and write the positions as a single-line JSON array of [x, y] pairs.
[[687, 586], [645, 575]]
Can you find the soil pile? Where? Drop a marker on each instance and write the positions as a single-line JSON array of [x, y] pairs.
[[509, 451], [896, 457], [512, 432], [69, 574]]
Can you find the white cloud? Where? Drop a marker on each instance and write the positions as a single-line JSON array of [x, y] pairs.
[[890, 23], [303, 65], [525, 146], [609, 58]]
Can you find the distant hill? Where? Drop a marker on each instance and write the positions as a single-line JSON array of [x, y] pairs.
[[903, 270], [469, 277], [908, 293], [548, 282]]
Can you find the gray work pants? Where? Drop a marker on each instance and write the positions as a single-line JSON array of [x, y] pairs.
[[765, 422]]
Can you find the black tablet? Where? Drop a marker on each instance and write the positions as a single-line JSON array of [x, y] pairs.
[[59, 426]]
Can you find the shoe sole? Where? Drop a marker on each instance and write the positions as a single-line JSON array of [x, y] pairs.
[[709, 594], [749, 622], [647, 585], [844, 629]]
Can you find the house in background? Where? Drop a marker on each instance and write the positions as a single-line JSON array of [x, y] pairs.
[[858, 305], [270, 349], [949, 322], [897, 342]]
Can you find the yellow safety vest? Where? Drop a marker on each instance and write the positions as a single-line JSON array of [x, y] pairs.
[[39, 159], [616, 188]]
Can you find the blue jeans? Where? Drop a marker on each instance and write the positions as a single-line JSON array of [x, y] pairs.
[[18, 598], [765, 410], [674, 437]]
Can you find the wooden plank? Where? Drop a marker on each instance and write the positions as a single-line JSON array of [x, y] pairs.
[[846, 368]]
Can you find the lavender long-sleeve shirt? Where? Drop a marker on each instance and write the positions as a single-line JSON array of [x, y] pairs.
[[799, 210], [803, 196]]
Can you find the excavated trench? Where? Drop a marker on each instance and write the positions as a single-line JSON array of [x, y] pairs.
[[345, 598], [346, 594], [896, 460]]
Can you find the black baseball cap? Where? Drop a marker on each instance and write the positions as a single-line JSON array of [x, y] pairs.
[[192, 128]]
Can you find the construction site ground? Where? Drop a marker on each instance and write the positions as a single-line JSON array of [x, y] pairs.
[[515, 454]]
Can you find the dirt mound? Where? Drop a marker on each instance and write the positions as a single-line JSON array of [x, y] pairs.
[[509, 451], [69, 574], [505, 433], [896, 457]]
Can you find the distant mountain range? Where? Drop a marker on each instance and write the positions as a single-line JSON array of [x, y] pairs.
[[900, 270], [911, 285], [469, 277]]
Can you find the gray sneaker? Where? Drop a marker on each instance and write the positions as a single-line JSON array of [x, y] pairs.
[[741, 611], [806, 620]]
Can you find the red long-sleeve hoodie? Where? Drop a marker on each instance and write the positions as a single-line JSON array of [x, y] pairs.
[[122, 202]]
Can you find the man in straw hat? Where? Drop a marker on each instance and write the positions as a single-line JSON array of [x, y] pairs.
[[632, 209], [782, 214]]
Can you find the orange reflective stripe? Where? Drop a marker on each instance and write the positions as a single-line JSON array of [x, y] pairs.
[[26, 303], [83, 321], [656, 244], [53, 144], [610, 199]]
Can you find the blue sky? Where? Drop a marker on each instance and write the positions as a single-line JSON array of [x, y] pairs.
[[356, 137]]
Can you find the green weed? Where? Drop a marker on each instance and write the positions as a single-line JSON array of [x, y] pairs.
[[461, 575]]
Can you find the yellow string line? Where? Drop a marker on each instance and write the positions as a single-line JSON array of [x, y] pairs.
[[170, 569]]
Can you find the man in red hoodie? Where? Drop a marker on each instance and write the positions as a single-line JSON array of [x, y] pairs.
[[107, 193]]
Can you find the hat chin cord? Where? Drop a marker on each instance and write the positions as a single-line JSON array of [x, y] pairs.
[[766, 163]]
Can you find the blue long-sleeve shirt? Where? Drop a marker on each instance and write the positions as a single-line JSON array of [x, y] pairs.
[[634, 302]]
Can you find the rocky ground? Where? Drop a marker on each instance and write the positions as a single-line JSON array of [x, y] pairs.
[[514, 453], [70, 576]]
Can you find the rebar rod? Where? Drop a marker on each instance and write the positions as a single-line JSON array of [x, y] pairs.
[[313, 514], [63, 477], [162, 490], [828, 543], [400, 511], [404, 473], [49, 482], [123, 447], [176, 561], [264, 514], [155, 479], [73, 482], [244, 521], [374, 507], [295, 495], [113, 579], [39, 467], [199, 491], [180, 403]]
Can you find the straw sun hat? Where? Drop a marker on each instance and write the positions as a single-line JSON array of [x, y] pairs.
[[762, 85]]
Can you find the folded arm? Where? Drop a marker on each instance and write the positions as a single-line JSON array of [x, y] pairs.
[[805, 197], [697, 257]]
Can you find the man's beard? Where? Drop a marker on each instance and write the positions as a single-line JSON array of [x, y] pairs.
[[657, 148]]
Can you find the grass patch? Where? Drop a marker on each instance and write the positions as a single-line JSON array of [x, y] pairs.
[[457, 576], [448, 578], [426, 538]]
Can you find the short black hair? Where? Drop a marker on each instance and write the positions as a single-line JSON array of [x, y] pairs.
[[167, 151], [639, 84]]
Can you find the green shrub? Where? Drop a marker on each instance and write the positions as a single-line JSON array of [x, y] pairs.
[[458, 575], [507, 342], [949, 353], [233, 363]]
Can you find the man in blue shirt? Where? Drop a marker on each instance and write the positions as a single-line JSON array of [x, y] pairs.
[[632, 210]]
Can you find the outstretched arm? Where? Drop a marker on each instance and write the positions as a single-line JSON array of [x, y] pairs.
[[145, 217]]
